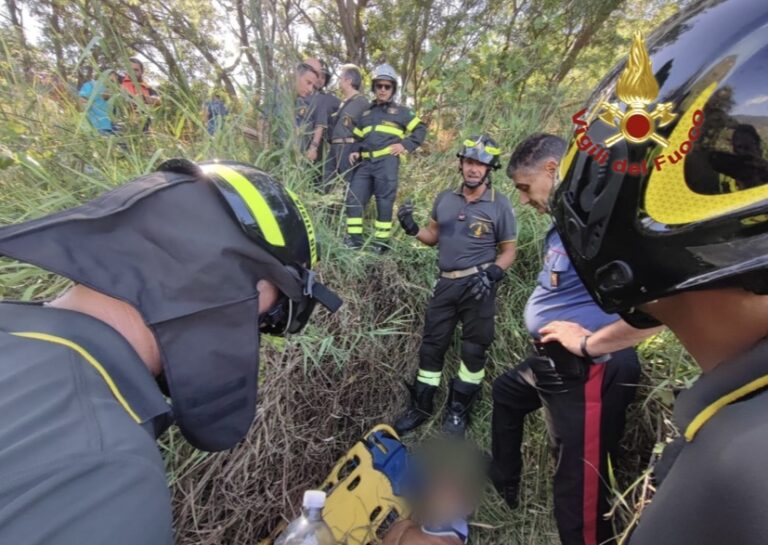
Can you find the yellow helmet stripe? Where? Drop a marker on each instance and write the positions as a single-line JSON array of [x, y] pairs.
[[308, 225], [253, 199], [565, 162], [670, 201]]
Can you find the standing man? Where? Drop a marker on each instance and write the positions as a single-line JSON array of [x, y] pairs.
[[136, 87], [582, 370], [327, 104], [310, 125], [343, 121], [662, 246], [83, 378], [286, 110], [384, 132], [474, 229]]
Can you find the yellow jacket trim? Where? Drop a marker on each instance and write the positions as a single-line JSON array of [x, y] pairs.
[[87, 357], [702, 418], [412, 125], [253, 199]]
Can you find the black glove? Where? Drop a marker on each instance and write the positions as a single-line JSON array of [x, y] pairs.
[[481, 284], [405, 215]]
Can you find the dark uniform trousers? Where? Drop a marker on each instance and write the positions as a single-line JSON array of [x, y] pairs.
[[377, 129], [451, 303], [585, 414], [377, 178]]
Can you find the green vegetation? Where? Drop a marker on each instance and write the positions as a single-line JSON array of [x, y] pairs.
[[502, 67]]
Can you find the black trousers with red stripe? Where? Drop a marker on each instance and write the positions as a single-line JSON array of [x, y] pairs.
[[586, 418]]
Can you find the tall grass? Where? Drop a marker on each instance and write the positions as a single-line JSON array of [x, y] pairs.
[[322, 389]]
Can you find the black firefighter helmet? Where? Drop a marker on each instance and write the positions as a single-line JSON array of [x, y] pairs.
[[167, 244], [483, 149], [681, 202]]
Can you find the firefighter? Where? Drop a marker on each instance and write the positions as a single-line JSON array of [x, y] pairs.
[[667, 245], [175, 274], [343, 121], [474, 229], [385, 132]]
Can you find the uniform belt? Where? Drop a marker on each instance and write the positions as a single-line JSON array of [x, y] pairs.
[[463, 273], [349, 140], [375, 154]]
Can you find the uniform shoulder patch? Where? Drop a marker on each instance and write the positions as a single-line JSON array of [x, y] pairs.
[[393, 110]]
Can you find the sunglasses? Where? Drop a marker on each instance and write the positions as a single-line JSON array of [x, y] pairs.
[[384, 86]]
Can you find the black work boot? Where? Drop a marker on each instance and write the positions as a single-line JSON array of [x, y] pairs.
[[509, 492], [379, 247], [460, 400], [419, 410], [355, 242]]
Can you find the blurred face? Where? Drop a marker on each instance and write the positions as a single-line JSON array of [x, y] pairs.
[[384, 90], [535, 184], [137, 69], [305, 83], [473, 172]]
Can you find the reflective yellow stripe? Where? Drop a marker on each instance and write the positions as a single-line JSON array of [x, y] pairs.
[[354, 221], [490, 149], [429, 377], [87, 357], [389, 130], [412, 125], [355, 230], [378, 153], [383, 225], [383, 234], [253, 199], [308, 226], [357, 132], [701, 418], [466, 375]]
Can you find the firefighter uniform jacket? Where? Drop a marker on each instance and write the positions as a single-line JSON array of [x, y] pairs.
[[384, 124]]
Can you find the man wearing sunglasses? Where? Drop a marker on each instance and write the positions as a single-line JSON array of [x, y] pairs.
[[383, 133], [474, 228]]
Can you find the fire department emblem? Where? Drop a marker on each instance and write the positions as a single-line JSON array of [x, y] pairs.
[[479, 227], [637, 87]]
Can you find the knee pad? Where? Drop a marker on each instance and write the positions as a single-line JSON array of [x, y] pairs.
[[473, 355]]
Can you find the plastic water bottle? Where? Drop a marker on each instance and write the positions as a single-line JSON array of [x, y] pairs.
[[309, 528]]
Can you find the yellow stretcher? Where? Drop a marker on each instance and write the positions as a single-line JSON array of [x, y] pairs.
[[365, 489]]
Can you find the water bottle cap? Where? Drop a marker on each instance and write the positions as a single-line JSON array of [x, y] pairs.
[[314, 499]]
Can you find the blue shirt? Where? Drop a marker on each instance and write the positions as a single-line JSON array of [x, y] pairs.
[[560, 294], [217, 111], [98, 108]]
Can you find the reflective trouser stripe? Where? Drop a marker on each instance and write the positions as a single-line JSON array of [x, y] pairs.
[[376, 154], [465, 375], [355, 226], [383, 229], [429, 377]]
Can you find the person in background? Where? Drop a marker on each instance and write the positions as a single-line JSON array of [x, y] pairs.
[[343, 121], [142, 94], [214, 112], [95, 98]]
